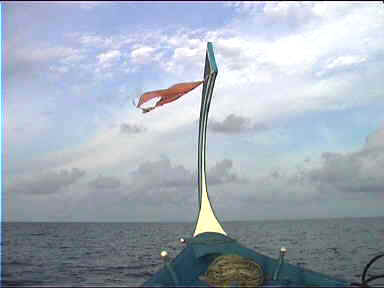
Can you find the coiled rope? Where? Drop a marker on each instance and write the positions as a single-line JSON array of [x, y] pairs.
[[227, 270]]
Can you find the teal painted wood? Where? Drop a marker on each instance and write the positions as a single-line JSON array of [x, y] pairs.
[[210, 73], [200, 251], [212, 60]]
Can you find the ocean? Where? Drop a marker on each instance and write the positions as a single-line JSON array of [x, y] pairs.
[[126, 254]]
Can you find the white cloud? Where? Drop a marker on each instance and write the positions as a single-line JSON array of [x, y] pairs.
[[182, 53], [92, 40], [26, 123], [28, 62], [109, 42], [106, 59], [242, 6], [104, 183], [59, 69], [287, 9], [263, 71], [264, 74], [233, 124], [73, 59], [260, 79], [328, 9], [86, 5], [44, 54], [46, 183], [295, 11], [344, 61], [89, 5], [142, 54]]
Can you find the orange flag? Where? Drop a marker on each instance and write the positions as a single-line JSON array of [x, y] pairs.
[[167, 95]]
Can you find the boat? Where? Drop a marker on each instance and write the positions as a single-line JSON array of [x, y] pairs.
[[210, 257]]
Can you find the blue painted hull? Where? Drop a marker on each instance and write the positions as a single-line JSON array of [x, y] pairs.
[[200, 251]]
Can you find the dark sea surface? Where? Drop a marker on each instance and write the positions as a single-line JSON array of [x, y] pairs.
[[110, 254]]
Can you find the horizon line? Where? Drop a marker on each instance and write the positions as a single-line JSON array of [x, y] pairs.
[[192, 222]]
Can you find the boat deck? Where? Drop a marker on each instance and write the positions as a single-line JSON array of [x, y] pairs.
[[200, 251]]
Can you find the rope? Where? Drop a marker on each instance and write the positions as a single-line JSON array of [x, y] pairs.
[[227, 270], [364, 282]]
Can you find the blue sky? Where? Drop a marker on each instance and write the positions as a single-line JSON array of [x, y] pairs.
[[296, 119]]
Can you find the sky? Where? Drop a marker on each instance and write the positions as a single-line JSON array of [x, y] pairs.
[[295, 130]]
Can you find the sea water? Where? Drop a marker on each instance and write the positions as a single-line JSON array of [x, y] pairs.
[[127, 254]]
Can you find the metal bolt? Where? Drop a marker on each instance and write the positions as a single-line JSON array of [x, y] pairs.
[[164, 254], [283, 250]]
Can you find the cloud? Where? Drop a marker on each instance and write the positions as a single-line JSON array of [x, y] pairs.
[[345, 61], [104, 183], [338, 177], [264, 76], [142, 54], [92, 40], [59, 69], [292, 15], [159, 181], [235, 124], [356, 172], [221, 173], [89, 5], [46, 54], [251, 65], [292, 50], [106, 59], [47, 183], [284, 9], [376, 139], [126, 128], [84, 5], [23, 61], [342, 64], [351, 173]]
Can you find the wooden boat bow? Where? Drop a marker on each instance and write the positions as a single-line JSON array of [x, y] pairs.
[[206, 220], [201, 262]]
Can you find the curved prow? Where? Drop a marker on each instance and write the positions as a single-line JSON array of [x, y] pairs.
[[206, 221]]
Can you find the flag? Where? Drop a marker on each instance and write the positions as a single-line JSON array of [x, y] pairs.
[[167, 95]]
